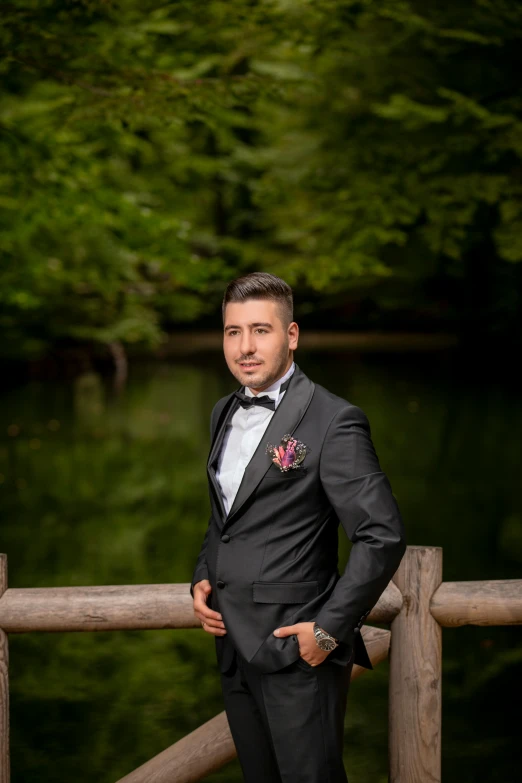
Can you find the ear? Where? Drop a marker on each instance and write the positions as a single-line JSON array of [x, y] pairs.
[[293, 336]]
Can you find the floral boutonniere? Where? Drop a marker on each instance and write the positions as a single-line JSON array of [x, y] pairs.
[[289, 454]]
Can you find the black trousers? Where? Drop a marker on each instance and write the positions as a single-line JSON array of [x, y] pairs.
[[288, 725]]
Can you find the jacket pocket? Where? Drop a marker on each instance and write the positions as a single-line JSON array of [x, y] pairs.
[[284, 592], [302, 664]]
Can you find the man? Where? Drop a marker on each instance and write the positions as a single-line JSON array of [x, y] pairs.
[[288, 462]]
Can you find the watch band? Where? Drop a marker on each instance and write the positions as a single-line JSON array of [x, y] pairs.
[[322, 635]]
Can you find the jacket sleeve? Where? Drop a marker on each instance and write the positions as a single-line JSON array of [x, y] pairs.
[[200, 569], [362, 499]]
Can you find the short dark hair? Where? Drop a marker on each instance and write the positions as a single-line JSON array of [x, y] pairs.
[[261, 285]]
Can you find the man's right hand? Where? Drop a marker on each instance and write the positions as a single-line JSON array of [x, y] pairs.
[[211, 621]]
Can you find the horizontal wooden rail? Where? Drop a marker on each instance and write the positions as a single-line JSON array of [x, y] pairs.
[[107, 608], [211, 746], [123, 607], [489, 602], [416, 603]]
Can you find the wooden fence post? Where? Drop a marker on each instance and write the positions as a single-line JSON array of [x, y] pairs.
[[4, 686], [415, 687]]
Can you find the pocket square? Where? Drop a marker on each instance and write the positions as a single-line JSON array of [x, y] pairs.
[[289, 454]]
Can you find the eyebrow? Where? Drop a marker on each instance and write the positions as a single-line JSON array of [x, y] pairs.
[[254, 325]]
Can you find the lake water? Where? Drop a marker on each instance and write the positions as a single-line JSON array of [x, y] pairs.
[[99, 489]]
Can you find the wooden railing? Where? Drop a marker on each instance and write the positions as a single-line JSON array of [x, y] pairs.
[[416, 604]]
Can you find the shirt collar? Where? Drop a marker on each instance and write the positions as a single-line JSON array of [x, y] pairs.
[[273, 390]]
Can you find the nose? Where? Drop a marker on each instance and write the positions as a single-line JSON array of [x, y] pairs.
[[247, 346]]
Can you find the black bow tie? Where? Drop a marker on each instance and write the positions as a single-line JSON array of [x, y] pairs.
[[263, 401], [248, 402]]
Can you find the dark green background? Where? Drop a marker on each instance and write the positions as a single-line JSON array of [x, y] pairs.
[[100, 489]]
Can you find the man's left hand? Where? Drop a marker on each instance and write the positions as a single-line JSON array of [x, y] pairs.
[[308, 647]]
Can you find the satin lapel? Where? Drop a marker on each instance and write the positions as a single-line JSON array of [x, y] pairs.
[[229, 408], [285, 420]]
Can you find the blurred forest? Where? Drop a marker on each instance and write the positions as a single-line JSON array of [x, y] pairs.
[[367, 152]]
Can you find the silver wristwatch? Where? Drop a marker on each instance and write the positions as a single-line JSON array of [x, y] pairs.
[[324, 640]]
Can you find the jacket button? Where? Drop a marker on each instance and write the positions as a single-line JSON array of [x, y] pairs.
[[220, 583], [355, 630], [225, 538]]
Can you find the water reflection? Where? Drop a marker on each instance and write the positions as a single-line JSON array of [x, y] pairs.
[[98, 489]]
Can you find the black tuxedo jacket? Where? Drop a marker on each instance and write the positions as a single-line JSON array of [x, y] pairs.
[[272, 561]]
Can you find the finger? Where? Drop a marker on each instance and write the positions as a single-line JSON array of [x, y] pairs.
[[201, 608], [209, 618], [214, 631], [208, 614], [212, 623], [286, 630]]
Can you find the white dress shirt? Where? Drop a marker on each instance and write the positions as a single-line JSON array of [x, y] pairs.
[[242, 437]]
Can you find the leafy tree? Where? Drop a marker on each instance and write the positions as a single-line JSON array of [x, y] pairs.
[[364, 150]]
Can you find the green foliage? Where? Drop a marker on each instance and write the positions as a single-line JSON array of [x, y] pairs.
[[153, 150]]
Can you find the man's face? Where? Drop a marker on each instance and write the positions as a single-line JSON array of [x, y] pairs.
[[258, 348]]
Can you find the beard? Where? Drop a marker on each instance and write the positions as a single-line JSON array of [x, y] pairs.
[[262, 376]]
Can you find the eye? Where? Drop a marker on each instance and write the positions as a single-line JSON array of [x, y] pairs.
[[265, 331]]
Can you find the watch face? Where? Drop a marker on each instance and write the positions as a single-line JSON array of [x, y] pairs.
[[326, 644]]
